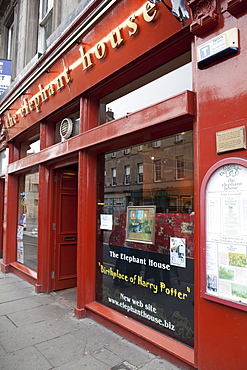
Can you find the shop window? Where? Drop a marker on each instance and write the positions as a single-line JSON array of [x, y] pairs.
[[27, 232], [3, 162], [157, 170], [30, 146], [170, 79], [180, 167], [127, 175], [145, 263]]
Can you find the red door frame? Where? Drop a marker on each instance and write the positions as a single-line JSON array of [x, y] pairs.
[[64, 243]]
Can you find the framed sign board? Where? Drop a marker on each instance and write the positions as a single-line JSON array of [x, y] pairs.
[[224, 236]]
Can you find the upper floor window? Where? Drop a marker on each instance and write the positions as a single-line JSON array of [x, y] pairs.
[[45, 22], [10, 41]]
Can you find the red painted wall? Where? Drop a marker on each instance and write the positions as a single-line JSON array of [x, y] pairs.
[[221, 105]]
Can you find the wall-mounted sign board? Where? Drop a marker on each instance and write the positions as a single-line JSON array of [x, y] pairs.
[[224, 244], [232, 139], [5, 74], [217, 48]]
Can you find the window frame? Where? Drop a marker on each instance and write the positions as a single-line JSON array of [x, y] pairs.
[[179, 167], [157, 171]]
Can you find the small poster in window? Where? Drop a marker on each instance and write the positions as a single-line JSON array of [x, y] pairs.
[[20, 229], [105, 222], [141, 224], [20, 252], [178, 252]]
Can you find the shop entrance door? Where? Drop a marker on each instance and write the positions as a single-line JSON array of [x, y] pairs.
[[65, 229]]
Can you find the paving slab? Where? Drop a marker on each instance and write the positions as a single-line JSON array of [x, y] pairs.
[[17, 305], [25, 359], [40, 331], [159, 364], [37, 314], [22, 337], [136, 355], [85, 362], [62, 350], [107, 357]]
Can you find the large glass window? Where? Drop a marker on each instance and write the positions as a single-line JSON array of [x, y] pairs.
[[27, 231], [170, 79], [30, 146], [145, 247], [3, 161]]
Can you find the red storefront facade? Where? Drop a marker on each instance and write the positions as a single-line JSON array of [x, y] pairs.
[[70, 195]]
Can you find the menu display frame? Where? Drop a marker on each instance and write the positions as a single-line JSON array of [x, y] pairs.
[[224, 233]]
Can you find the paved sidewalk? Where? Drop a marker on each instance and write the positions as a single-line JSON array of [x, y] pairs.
[[39, 331]]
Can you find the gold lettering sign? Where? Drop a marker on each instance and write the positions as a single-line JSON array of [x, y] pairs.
[[87, 59]]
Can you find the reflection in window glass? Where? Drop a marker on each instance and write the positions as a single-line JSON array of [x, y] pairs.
[[157, 170], [127, 175], [140, 173], [180, 167], [114, 176], [145, 262], [30, 146], [27, 230], [3, 161], [162, 83]]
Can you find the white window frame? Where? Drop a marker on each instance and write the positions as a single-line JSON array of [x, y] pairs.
[[10, 41], [45, 14]]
